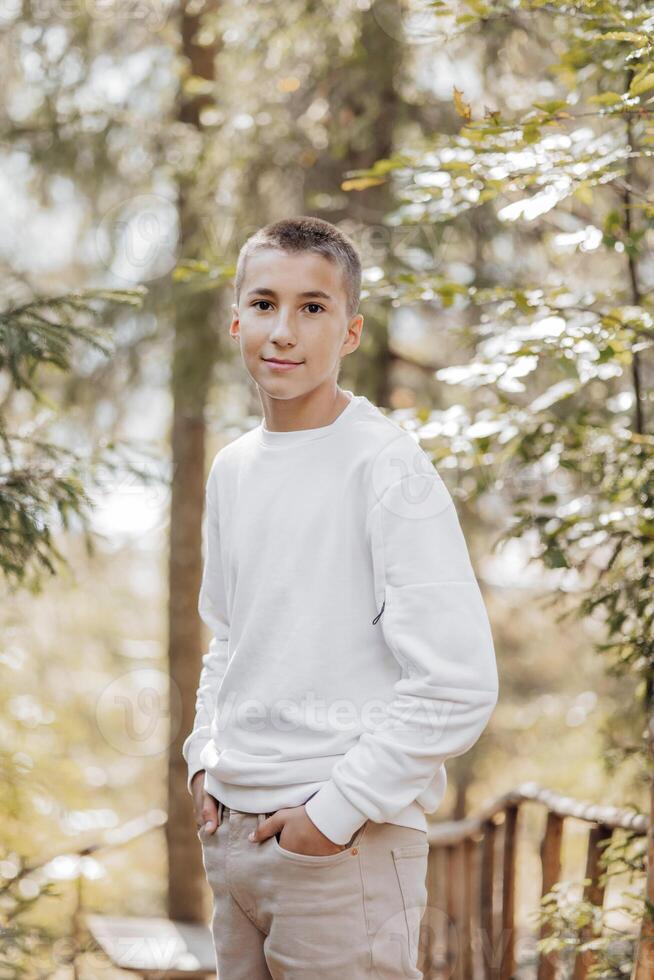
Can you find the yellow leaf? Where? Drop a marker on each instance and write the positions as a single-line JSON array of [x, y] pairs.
[[196, 85], [584, 193], [288, 84], [463, 108], [361, 183], [632, 36], [638, 86]]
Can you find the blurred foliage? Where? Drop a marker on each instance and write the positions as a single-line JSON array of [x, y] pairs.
[[578, 928], [42, 484], [562, 431], [561, 365]]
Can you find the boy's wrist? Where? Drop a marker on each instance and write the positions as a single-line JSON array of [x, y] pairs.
[[193, 748], [333, 814], [193, 771]]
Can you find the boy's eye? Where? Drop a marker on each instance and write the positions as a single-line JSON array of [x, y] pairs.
[[316, 306]]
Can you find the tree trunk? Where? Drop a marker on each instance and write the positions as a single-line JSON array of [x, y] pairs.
[[365, 108], [644, 966], [195, 346]]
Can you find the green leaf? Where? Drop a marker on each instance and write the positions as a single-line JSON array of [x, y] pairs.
[[522, 302], [638, 86], [605, 98], [554, 557], [551, 106], [606, 355], [531, 133]]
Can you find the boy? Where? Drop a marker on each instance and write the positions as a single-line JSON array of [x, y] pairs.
[[351, 652]]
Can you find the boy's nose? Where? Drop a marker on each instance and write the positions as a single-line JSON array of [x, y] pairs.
[[283, 327]]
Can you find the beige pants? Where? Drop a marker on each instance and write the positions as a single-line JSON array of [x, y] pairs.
[[290, 916]]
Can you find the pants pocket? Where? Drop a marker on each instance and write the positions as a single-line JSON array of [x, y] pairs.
[[322, 860], [411, 866], [204, 836]]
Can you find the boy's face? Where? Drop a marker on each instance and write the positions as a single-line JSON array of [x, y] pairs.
[[273, 320]]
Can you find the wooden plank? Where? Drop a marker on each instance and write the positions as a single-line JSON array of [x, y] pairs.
[[487, 900], [507, 965], [550, 855], [644, 965], [452, 936], [468, 851], [458, 910], [144, 945], [593, 892], [451, 831]]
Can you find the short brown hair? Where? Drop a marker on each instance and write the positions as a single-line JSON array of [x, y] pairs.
[[307, 234]]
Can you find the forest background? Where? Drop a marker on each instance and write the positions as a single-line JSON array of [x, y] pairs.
[[492, 162]]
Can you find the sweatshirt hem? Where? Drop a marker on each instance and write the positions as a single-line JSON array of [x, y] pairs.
[[338, 825]]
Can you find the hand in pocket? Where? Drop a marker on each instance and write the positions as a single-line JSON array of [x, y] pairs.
[[205, 806]]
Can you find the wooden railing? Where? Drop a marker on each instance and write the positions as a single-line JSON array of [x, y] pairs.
[[469, 928]]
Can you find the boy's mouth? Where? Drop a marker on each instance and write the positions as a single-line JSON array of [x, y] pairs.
[[282, 365], [281, 360]]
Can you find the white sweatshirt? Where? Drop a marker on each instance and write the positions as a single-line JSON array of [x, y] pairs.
[[351, 651]]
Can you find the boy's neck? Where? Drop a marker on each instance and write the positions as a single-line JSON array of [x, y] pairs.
[[319, 407]]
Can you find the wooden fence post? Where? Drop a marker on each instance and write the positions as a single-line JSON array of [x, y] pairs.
[[593, 892], [487, 898], [507, 965], [550, 855]]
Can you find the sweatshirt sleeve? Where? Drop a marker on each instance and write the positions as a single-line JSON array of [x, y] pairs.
[[435, 624], [212, 606]]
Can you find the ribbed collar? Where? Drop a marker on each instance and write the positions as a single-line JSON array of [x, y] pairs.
[[295, 437]]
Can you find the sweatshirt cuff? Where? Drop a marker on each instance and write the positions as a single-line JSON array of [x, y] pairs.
[[193, 761], [333, 814]]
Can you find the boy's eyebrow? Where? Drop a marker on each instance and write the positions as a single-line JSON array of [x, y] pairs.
[[305, 295]]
